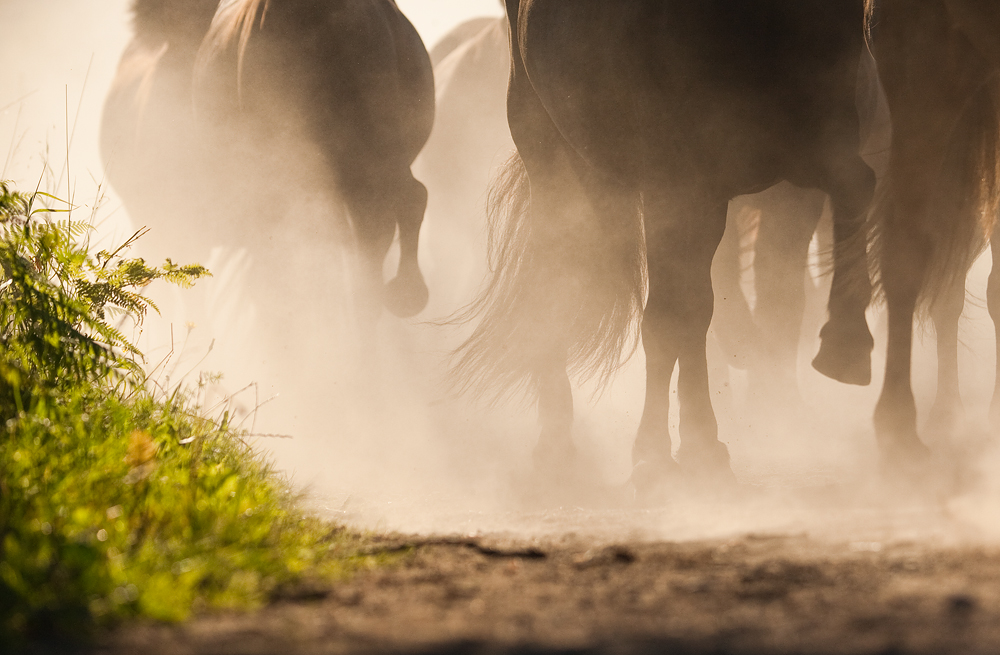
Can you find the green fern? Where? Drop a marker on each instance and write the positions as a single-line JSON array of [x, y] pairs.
[[116, 501], [57, 300]]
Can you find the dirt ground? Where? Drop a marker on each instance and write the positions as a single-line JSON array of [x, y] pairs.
[[752, 594]]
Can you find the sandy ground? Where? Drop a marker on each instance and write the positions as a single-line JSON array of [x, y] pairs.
[[752, 594]]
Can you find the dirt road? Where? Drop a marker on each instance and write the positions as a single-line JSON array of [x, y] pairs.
[[752, 594]]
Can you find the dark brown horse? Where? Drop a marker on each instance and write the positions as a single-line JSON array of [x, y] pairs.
[[222, 113], [939, 62], [636, 122]]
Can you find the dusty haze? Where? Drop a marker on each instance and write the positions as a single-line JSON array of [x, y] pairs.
[[411, 456]]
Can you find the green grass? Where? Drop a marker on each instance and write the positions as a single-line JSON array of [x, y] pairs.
[[117, 501]]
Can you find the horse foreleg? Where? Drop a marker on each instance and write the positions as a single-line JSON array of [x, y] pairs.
[[374, 227], [681, 241], [845, 351], [947, 410], [904, 260], [734, 325], [788, 220]]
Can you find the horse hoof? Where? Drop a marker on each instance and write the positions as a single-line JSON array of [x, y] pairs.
[[652, 482], [707, 462], [844, 362], [707, 456], [406, 296]]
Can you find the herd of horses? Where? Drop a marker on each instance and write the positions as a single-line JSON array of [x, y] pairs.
[[635, 123]]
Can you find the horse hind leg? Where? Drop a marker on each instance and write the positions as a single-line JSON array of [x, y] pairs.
[[558, 197], [406, 294], [947, 412], [674, 328], [846, 341], [377, 207], [788, 221], [734, 326], [903, 266], [554, 195]]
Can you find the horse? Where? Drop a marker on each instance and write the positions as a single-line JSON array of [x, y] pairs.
[[471, 137], [458, 36], [635, 123], [469, 141], [938, 62], [226, 111], [774, 230]]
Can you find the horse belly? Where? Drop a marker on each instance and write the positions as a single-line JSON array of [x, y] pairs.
[[680, 93]]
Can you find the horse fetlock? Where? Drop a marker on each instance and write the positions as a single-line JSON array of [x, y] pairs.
[[845, 355], [896, 429], [705, 457], [406, 295]]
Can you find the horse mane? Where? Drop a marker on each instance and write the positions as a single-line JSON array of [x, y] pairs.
[[232, 18]]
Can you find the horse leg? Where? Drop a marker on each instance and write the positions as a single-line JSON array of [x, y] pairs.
[[555, 414], [788, 221], [993, 304], [846, 341], [674, 327], [376, 203], [406, 294], [947, 411], [545, 156], [903, 265], [734, 325]]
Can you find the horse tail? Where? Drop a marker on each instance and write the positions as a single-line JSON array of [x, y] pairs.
[[965, 198], [233, 18], [565, 290]]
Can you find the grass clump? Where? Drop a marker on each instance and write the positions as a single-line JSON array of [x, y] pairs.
[[117, 502]]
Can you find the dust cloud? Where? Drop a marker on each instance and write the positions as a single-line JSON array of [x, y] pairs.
[[384, 443]]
